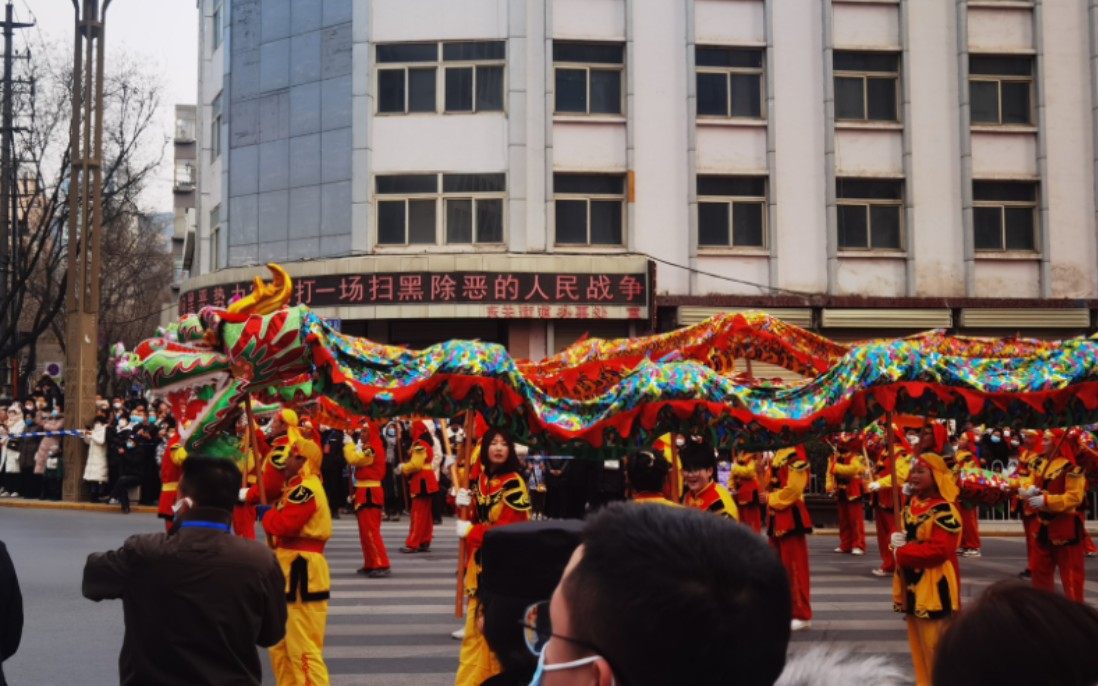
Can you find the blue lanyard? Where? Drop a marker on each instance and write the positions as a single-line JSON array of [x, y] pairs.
[[204, 525]]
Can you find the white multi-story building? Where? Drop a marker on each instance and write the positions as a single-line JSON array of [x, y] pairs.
[[514, 169]]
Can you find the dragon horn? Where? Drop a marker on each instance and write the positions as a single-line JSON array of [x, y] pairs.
[[266, 298]]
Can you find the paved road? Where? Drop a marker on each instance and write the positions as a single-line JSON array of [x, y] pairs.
[[395, 631]]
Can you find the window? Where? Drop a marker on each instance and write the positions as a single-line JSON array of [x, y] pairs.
[[866, 86], [1004, 215], [215, 240], [215, 28], [215, 128], [472, 77], [870, 214], [729, 82], [1000, 89], [412, 211], [184, 174], [184, 128], [588, 77], [731, 211], [589, 208]]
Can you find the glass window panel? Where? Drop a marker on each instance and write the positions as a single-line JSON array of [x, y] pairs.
[[600, 184], [747, 224], [476, 50], [605, 91], [459, 221], [983, 97], [853, 232], [713, 223], [571, 221], [1014, 191], [421, 222], [407, 183], [865, 61], [884, 221], [594, 53], [744, 186], [390, 90], [881, 99], [1019, 228], [727, 57], [606, 222], [746, 95], [868, 189], [489, 221], [571, 90], [459, 89], [1000, 66], [713, 94], [421, 90], [474, 183], [390, 222], [849, 98], [1016, 102], [489, 89], [407, 52], [988, 227]]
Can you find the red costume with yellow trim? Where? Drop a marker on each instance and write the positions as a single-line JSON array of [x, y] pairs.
[[244, 513], [745, 489], [844, 480], [970, 512], [369, 464], [274, 454], [712, 498], [790, 524], [884, 517], [171, 469], [422, 485], [1059, 540], [1030, 460]]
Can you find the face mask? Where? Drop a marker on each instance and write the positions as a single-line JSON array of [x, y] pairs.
[[542, 667], [680, 442], [914, 440], [118, 406], [122, 423], [996, 439], [391, 433], [134, 419], [1015, 443]]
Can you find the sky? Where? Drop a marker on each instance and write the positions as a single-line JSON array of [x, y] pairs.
[[162, 33]]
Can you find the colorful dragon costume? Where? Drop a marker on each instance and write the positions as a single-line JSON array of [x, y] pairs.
[[634, 390]]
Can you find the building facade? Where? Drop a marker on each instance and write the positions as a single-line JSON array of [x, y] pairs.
[[184, 193], [860, 167]]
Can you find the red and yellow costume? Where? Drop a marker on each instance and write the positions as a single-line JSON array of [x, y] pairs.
[[498, 500], [970, 512], [171, 469], [1059, 540], [301, 523], [712, 498], [844, 480], [244, 513], [928, 586], [422, 486], [274, 455], [653, 498], [369, 464], [1030, 460], [790, 524], [745, 489], [884, 516]]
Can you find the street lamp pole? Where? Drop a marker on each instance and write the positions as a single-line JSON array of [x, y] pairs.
[[85, 221]]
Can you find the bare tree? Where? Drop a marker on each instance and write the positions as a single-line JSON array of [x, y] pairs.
[[133, 148]]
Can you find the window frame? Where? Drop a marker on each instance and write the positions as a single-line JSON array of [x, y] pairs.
[[215, 127], [999, 80], [727, 72], [588, 67], [215, 237], [869, 204], [440, 65], [588, 198], [440, 196], [865, 75], [731, 201], [217, 36], [1003, 205]]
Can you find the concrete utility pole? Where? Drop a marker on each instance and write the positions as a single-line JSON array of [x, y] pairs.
[[85, 222], [8, 192]]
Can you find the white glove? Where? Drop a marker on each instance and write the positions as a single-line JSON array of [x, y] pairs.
[[898, 540], [243, 495], [463, 498], [462, 528], [874, 486], [908, 489], [1029, 492], [347, 440], [1036, 502]]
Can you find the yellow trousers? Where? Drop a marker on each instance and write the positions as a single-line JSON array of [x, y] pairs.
[[922, 636], [296, 659], [477, 663]]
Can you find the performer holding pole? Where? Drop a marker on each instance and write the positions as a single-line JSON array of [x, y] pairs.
[[885, 491], [367, 456]]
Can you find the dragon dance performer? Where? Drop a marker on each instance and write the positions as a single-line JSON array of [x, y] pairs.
[[284, 430], [927, 589], [368, 459], [171, 469], [501, 498], [789, 526], [301, 523], [422, 485], [699, 464], [966, 458], [1029, 461], [844, 480], [884, 518], [1055, 492], [745, 489], [647, 474]]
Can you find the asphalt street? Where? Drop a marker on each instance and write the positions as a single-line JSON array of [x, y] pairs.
[[395, 631]]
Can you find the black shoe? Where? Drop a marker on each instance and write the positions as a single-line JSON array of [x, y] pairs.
[[364, 571], [438, 521], [425, 549], [125, 509], [379, 573], [1026, 574], [406, 550]]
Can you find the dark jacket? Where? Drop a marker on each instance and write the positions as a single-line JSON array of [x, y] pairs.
[[11, 610], [196, 603]]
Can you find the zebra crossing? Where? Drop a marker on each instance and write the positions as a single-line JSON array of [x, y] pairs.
[[396, 631]]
